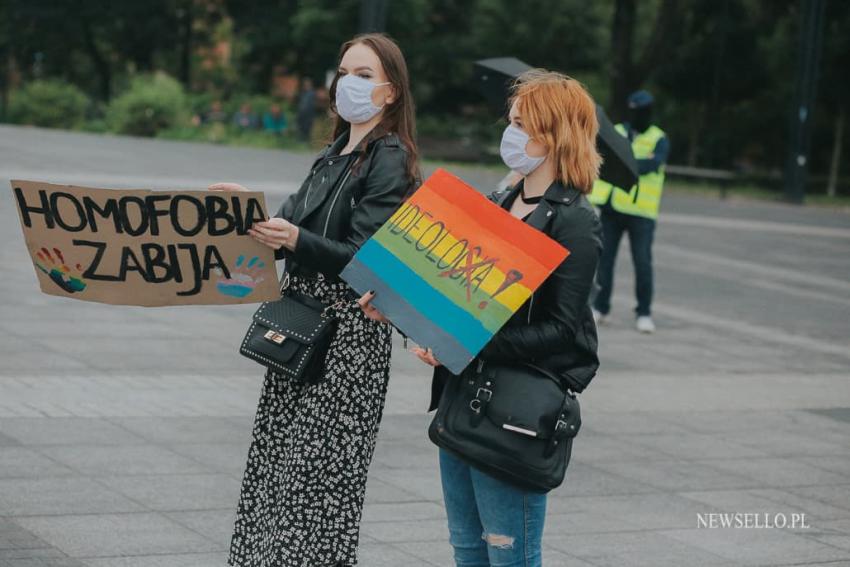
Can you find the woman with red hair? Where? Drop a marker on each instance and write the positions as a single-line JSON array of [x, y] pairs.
[[551, 142]]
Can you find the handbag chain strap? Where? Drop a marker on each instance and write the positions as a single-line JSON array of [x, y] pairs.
[[333, 307], [284, 282]]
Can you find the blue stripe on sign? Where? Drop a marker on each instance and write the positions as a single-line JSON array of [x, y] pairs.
[[408, 320], [424, 298]]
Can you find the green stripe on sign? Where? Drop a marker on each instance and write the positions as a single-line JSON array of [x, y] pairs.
[[492, 317]]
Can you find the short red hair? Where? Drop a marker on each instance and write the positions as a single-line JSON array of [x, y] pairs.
[[558, 112]]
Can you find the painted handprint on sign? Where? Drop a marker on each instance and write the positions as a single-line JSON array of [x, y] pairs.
[[54, 265], [243, 278]]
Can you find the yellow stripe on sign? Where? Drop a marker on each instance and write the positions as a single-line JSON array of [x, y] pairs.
[[447, 252]]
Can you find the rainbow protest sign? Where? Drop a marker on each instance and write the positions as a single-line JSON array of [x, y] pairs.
[[450, 267]]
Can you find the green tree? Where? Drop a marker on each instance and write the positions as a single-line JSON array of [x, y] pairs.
[[712, 80], [834, 99], [631, 65], [151, 103]]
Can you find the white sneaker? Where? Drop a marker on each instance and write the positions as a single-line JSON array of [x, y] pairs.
[[600, 318], [645, 324]]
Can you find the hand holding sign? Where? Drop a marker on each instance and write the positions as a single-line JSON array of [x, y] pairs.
[[371, 312], [235, 187], [274, 233], [426, 355]]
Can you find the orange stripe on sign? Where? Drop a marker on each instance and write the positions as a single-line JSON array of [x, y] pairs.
[[495, 219], [511, 253], [512, 250]]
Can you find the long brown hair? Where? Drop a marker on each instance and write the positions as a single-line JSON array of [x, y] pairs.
[[399, 117], [557, 111]]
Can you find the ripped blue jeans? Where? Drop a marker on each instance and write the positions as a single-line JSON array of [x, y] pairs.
[[491, 523]]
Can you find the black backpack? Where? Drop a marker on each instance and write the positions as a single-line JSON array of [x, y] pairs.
[[515, 422]]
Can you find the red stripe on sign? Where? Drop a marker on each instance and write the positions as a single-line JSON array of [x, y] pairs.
[[471, 216]]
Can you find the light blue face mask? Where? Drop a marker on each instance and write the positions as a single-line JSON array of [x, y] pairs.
[[354, 99], [513, 151]]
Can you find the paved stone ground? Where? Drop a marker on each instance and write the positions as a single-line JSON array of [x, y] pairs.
[[123, 431]]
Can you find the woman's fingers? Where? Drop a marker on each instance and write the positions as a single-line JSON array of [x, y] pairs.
[[226, 187], [281, 231], [370, 310], [277, 230], [274, 227], [266, 237], [270, 232], [432, 360], [375, 315], [364, 300], [258, 235], [425, 355], [267, 241], [276, 223]]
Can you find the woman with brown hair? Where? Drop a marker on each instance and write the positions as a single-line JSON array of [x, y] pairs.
[[303, 488]]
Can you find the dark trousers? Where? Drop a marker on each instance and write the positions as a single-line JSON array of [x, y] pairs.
[[641, 232], [305, 126]]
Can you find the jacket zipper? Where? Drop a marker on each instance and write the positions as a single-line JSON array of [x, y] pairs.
[[530, 305], [333, 202]]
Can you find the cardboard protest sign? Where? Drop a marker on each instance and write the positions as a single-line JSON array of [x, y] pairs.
[[141, 247], [450, 267]]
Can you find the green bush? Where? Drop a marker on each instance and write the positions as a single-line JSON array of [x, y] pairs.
[[49, 103], [151, 103], [232, 136], [199, 103]]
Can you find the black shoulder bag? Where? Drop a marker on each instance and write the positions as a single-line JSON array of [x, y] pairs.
[[515, 422], [291, 335]]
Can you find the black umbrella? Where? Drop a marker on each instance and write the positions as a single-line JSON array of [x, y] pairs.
[[619, 167], [494, 78]]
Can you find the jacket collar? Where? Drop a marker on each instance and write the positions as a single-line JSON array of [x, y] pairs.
[[337, 145], [557, 193], [333, 149], [337, 170], [323, 183]]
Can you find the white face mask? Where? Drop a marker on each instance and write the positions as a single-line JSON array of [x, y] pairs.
[[354, 99], [513, 151]]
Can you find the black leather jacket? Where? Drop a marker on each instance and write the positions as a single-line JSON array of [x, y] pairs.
[[555, 327], [341, 204]]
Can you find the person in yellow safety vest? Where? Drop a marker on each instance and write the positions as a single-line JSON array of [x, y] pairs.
[[633, 210]]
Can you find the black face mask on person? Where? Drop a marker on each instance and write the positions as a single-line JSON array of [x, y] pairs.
[[640, 118]]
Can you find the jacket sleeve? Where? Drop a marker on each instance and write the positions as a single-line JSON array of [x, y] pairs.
[[564, 297], [385, 187], [659, 157]]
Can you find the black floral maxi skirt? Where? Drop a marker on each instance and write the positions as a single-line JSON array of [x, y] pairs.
[[304, 484]]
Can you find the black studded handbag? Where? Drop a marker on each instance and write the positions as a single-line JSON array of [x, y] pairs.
[[291, 335], [515, 422]]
